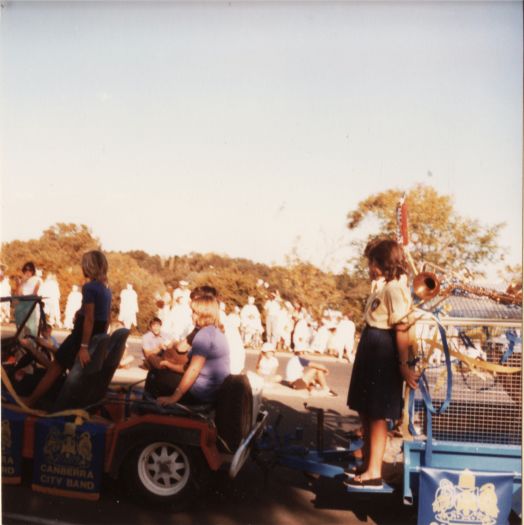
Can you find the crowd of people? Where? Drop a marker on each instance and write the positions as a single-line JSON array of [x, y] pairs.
[[287, 326], [167, 343]]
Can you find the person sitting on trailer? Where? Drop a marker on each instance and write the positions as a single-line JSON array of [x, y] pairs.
[[199, 381]]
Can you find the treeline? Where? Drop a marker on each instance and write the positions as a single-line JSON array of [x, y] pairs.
[[438, 234], [61, 246]]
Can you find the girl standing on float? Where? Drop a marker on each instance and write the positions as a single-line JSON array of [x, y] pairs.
[[382, 358]]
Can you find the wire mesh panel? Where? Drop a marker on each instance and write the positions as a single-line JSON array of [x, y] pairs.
[[486, 361]]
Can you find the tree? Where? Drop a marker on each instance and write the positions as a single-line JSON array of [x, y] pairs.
[[58, 250], [438, 234], [511, 274]]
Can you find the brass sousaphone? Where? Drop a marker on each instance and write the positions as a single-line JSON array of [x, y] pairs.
[[426, 285]]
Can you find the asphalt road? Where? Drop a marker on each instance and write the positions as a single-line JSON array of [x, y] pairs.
[[277, 496]]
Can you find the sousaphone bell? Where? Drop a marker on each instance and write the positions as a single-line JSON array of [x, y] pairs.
[[426, 285]]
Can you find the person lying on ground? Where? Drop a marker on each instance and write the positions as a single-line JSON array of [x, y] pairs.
[[303, 374]]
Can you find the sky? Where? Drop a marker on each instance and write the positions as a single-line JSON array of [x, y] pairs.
[[252, 128]]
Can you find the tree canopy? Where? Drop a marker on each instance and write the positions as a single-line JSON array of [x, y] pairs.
[[438, 233], [59, 250]]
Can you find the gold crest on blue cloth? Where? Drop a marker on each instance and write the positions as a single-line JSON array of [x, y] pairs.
[[6, 435], [12, 441], [66, 447], [68, 458], [465, 497]]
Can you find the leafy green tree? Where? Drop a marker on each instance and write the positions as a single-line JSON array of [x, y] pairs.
[[438, 234]]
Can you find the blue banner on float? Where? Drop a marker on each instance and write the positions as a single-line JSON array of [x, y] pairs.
[[464, 497], [12, 442], [68, 458]]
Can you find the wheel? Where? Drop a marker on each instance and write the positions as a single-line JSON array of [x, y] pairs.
[[163, 472], [234, 411]]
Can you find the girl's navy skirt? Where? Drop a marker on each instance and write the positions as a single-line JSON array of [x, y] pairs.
[[376, 384]]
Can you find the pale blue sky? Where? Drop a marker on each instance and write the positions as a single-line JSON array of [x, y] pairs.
[[239, 127]]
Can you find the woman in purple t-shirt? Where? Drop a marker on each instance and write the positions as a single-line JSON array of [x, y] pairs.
[[91, 319], [208, 358]]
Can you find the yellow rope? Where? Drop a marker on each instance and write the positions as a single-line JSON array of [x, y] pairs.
[[77, 412], [478, 363]]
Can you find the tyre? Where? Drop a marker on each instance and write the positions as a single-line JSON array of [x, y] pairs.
[[164, 472], [234, 411]]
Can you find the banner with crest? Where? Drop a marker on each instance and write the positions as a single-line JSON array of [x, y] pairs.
[[69, 458], [464, 497], [12, 442]]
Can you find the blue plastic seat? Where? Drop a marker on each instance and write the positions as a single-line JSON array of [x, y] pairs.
[[87, 386]]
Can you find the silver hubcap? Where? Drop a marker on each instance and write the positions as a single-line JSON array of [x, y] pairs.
[[163, 469]]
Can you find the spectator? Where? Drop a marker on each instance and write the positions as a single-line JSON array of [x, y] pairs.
[[321, 338], [74, 302], [50, 292], [5, 291], [272, 309], [164, 303], [237, 356], [301, 335], [250, 324], [128, 306], [154, 342], [179, 322], [303, 374], [28, 284], [346, 335], [40, 349], [267, 365]]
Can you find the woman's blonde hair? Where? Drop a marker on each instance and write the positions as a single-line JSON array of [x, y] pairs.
[[94, 265], [207, 311]]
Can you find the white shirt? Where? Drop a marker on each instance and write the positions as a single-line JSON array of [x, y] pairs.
[[267, 365], [272, 307], [28, 288], [249, 313], [295, 368], [5, 288], [301, 335], [150, 341]]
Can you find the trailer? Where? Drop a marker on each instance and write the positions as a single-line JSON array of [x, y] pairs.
[[462, 436]]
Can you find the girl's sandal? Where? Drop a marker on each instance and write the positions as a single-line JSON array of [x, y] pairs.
[[355, 471], [357, 483]]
